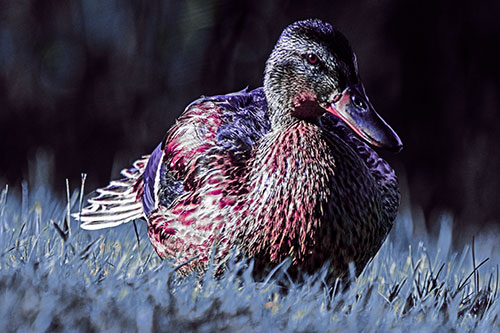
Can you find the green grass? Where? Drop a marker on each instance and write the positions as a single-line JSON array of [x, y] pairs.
[[55, 276]]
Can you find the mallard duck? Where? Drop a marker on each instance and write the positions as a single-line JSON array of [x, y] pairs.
[[283, 171]]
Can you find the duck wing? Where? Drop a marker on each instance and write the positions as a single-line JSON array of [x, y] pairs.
[[213, 135], [213, 138]]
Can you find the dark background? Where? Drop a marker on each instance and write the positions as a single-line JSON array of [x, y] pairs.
[[89, 86]]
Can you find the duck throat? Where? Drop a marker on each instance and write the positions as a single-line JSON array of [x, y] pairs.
[[290, 181], [307, 108]]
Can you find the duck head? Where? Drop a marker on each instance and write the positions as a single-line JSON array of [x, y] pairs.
[[313, 70]]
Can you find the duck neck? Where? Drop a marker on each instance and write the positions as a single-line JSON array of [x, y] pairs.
[[285, 108], [280, 114], [280, 101]]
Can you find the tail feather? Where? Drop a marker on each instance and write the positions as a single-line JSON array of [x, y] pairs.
[[119, 202]]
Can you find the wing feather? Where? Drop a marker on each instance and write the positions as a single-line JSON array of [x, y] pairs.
[[119, 202]]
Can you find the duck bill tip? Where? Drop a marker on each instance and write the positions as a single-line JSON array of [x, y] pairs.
[[367, 124]]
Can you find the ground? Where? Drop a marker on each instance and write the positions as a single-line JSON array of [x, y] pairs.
[[55, 276]]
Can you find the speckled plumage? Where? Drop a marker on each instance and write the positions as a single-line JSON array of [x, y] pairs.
[[268, 171]]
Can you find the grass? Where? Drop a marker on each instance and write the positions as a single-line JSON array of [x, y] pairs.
[[56, 277]]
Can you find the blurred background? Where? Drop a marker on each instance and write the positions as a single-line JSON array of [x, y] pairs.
[[88, 86]]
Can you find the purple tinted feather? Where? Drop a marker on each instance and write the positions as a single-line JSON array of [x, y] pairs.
[[148, 197], [245, 121], [170, 188]]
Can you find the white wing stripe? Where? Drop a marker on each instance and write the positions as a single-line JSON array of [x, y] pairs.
[[117, 203]]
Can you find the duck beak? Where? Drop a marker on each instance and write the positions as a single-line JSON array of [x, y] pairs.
[[353, 107]]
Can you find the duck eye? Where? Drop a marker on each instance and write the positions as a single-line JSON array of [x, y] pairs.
[[312, 58]]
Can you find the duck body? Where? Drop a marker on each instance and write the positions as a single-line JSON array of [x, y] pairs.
[[270, 178]]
